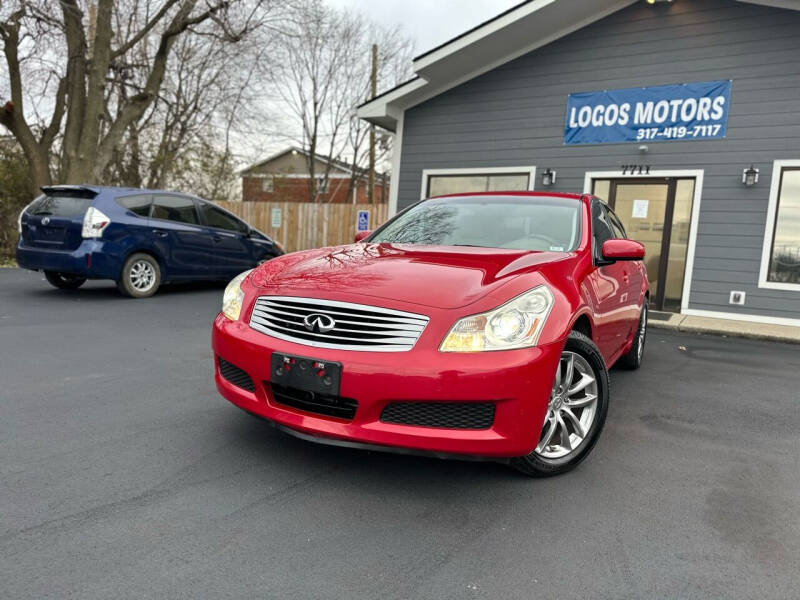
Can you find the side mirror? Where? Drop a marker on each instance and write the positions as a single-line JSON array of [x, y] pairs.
[[622, 250], [361, 235]]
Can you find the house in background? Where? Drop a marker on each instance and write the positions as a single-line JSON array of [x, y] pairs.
[[284, 177]]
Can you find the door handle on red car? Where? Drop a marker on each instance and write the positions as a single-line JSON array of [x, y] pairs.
[[160, 233]]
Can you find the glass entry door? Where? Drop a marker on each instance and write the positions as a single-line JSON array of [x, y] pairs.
[[657, 213]]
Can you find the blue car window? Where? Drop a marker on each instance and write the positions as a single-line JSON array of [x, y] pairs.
[[215, 217], [139, 204], [175, 208]]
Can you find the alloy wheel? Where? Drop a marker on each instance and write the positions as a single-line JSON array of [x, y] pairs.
[[142, 276], [572, 408], [642, 332]]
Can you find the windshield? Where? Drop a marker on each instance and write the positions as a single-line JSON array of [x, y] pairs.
[[515, 222]]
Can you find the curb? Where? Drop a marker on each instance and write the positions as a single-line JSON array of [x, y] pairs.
[[727, 328]]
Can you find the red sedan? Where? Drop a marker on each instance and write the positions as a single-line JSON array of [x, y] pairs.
[[473, 324]]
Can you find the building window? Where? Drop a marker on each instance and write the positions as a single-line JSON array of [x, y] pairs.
[[267, 184], [438, 182], [783, 265], [323, 185]]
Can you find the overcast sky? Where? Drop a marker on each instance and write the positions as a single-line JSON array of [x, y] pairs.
[[428, 22]]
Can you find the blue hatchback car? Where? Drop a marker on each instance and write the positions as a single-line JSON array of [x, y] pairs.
[[138, 238]]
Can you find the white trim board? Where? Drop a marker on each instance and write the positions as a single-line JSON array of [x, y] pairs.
[[769, 229], [697, 174], [693, 312], [530, 170], [397, 153]]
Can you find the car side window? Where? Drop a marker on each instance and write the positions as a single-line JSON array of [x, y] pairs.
[[616, 225], [175, 208], [601, 229], [138, 205], [214, 217]]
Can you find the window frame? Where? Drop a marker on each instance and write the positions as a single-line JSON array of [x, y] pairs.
[[778, 168], [530, 171]]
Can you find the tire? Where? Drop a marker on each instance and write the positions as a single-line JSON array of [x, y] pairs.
[[140, 276], [64, 281], [549, 459], [633, 358]]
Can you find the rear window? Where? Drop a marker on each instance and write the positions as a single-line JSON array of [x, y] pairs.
[[139, 205], [59, 206]]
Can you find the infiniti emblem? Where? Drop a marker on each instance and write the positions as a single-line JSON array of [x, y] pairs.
[[319, 322], [46, 221]]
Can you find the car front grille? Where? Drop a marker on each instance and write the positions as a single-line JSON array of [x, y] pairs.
[[332, 324], [444, 415], [236, 376], [314, 402]]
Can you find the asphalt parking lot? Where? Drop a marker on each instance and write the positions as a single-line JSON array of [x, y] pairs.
[[123, 474]]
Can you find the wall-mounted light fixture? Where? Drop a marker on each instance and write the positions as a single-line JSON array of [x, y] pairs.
[[659, 1], [750, 176], [548, 177]]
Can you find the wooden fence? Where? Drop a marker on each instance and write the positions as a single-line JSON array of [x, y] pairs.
[[300, 225]]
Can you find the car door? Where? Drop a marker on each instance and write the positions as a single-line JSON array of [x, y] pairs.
[[231, 248], [610, 288], [631, 284], [180, 238]]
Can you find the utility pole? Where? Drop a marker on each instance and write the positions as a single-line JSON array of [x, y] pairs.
[[373, 92]]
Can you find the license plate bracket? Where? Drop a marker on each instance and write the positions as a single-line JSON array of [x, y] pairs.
[[304, 373]]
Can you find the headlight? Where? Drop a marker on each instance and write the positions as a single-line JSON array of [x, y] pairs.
[[233, 297], [515, 324]]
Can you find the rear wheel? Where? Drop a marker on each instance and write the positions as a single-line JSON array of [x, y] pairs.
[[576, 412], [64, 281], [633, 358], [140, 276]]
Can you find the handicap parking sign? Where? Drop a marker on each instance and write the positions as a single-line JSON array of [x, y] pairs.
[[362, 224]]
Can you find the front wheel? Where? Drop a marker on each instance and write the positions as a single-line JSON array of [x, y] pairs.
[[64, 281], [140, 276], [576, 412]]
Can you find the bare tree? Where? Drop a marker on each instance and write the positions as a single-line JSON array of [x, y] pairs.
[[321, 73], [395, 52], [101, 68]]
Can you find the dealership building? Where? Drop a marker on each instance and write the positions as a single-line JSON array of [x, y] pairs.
[[683, 115]]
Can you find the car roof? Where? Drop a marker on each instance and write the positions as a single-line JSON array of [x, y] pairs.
[[516, 193], [98, 189]]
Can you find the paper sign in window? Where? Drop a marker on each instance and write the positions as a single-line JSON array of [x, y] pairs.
[[640, 209]]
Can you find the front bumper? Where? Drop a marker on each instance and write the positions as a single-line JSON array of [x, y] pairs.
[[87, 260], [518, 382]]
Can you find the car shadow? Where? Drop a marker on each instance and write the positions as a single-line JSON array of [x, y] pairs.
[[255, 436], [92, 290]]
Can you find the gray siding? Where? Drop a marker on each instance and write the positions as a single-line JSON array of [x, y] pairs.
[[514, 116]]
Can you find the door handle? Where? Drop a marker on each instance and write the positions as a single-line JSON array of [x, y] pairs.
[[160, 233]]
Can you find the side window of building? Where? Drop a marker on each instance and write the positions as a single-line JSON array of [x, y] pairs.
[[784, 263], [616, 225], [214, 217], [138, 205], [175, 208]]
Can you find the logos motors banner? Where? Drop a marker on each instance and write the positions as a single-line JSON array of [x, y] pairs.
[[691, 111]]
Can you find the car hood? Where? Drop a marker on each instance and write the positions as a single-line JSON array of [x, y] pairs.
[[437, 276]]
